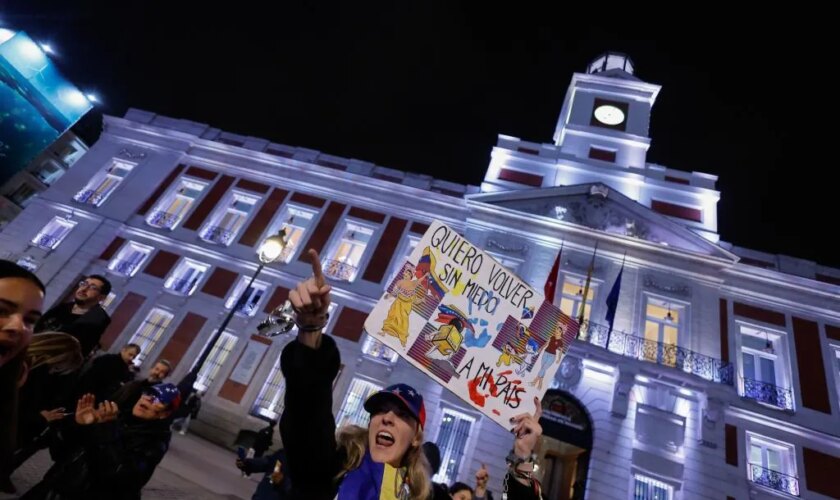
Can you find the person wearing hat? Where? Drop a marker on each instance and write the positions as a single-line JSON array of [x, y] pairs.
[[384, 460], [114, 455]]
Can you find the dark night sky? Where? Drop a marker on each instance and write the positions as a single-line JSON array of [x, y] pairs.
[[427, 89]]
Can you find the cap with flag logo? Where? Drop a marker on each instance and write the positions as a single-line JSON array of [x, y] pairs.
[[167, 394], [404, 395]]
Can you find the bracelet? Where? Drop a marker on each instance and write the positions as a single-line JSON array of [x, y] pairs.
[[513, 459], [528, 469], [313, 328]]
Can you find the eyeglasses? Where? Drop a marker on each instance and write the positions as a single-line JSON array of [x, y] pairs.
[[88, 284]]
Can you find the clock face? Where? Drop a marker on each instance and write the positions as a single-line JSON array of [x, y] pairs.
[[609, 115]]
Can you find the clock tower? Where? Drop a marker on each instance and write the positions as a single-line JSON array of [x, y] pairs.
[[606, 114]]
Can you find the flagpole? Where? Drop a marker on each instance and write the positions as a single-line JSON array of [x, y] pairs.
[[586, 288]]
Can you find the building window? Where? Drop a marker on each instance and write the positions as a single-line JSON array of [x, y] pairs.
[[772, 464], [452, 440], [71, 154], [352, 409], [104, 183], [172, 209], [296, 221], [218, 355], [331, 316], [646, 488], [109, 301], [403, 255], [246, 299], [763, 374], [129, 259], [271, 399], [48, 172], [22, 194], [150, 331], [229, 219], [571, 296], [53, 233], [378, 351], [186, 275], [662, 328], [342, 260]]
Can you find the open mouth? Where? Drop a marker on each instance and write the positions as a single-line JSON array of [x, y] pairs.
[[384, 438]]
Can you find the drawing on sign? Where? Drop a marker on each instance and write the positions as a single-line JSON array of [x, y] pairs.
[[473, 326]]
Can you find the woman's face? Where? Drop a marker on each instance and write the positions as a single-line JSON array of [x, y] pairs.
[[20, 308], [392, 431], [407, 274]]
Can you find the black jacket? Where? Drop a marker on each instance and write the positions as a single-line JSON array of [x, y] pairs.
[[107, 373], [129, 394], [87, 328], [42, 391], [307, 425], [109, 461]]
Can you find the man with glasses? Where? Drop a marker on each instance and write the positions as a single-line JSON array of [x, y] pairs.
[[84, 317]]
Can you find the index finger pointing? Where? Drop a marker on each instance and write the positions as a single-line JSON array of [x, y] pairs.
[[315, 260]]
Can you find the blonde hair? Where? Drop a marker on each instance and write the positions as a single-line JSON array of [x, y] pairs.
[[354, 440], [62, 352]]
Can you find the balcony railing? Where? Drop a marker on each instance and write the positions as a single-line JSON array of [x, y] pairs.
[[124, 267], [162, 219], [767, 393], [683, 359], [774, 480], [184, 287], [247, 308], [339, 270], [47, 241], [90, 197], [219, 235]]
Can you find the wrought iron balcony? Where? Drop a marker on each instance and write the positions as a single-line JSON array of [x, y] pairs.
[[774, 480], [219, 235], [90, 197], [124, 267], [162, 219], [633, 346], [47, 241], [183, 286], [767, 393], [339, 270], [246, 308]]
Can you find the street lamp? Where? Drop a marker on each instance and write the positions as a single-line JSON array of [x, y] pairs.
[[269, 251]]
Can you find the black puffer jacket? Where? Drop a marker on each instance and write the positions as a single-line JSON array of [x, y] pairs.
[[109, 461]]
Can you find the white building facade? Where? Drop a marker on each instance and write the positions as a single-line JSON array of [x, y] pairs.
[[719, 379]]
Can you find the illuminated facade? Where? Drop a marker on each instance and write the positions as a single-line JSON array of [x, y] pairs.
[[719, 379]]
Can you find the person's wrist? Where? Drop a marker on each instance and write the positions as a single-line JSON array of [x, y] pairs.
[[311, 322], [523, 453]]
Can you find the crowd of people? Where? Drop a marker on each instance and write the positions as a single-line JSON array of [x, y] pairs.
[[107, 431]]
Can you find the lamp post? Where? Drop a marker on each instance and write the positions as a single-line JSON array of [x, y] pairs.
[[270, 250]]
